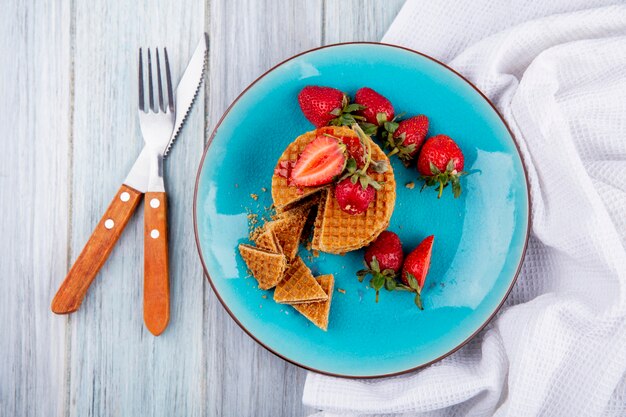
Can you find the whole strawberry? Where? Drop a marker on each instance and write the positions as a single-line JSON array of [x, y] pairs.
[[378, 109], [317, 103], [325, 105], [415, 268], [383, 260], [353, 197], [441, 162], [406, 137]]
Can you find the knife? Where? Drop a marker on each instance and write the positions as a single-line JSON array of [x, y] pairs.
[[97, 249]]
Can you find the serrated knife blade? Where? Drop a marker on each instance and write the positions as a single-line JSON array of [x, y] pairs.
[[188, 88], [186, 93]]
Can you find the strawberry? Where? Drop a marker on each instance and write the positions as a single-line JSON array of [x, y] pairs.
[[354, 198], [406, 137], [383, 260], [320, 161], [415, 268], [355, 189], [377, 109], [326, 105], [386, 250], [441, 162], [355, 149]]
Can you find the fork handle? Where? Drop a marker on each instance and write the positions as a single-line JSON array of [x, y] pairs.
[[96, 251], [156, 287]]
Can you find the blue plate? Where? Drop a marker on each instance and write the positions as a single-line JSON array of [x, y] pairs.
[[480, 238]]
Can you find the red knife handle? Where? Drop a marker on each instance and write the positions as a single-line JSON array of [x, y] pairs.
[[156, 283], [96, 251]]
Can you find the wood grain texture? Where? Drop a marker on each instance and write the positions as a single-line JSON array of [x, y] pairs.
[[35, 117], [70, 134], [156, 281], [117, 366], [96, 251]]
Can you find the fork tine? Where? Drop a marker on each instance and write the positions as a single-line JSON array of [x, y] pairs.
[[141, 100], [160, 85], [150, 89], [168, 76]]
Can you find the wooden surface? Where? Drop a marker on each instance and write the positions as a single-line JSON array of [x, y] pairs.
[[69, 133]]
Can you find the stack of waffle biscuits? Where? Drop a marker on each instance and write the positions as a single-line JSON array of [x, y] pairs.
[[336, 231], [274, 262]]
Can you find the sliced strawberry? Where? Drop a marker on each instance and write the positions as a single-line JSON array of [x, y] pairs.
[[416, 266], [320, 161], [355, 148]]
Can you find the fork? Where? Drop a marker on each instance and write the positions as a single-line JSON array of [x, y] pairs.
[[156, 120]]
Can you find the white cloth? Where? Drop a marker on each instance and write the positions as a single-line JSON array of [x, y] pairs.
[[557, 72]]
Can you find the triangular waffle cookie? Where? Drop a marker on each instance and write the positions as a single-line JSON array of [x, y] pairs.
[[266, 267], [298, 285], [288, 228], [318, 312], [267, 240]]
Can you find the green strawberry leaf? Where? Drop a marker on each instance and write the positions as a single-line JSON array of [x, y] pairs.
[[353, 107], [434, 170], [412, 282], [368, 128], [381, 118], [374, 266], [377, 282], [336, 112], [391, 127], [418, 301], [390, 284], [450, 166]]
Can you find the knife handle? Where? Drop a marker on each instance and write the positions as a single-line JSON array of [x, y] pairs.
[[96, 251], [156, 283]]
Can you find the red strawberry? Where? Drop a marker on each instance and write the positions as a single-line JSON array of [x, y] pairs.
[[441, 162], [352, 197], [320, 161], [383, 260], [416, 266], [376, 106], [355, 149], [387, 249], [407, 137], [318, 103]]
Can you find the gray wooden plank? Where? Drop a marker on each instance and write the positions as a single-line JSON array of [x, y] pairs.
[[247, 38], [117, 366], [358, 20], [34, 172]]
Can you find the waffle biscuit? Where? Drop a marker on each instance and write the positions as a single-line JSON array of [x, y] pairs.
[[288, 228], [285, 195], [318, 312], [267, 240], [267, 268], [298, 285], [340, 232], [319, 219]]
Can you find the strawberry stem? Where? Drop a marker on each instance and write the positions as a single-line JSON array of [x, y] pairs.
[[440, 189], [393, 152], [363, 138]]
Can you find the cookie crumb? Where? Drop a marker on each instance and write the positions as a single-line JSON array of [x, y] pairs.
[[410, 185], [308, 246], [316, 253], [264, 296], [263, 189], [341, 290], [254, 197]]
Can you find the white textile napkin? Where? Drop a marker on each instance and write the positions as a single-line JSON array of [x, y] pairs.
[[557, 72]]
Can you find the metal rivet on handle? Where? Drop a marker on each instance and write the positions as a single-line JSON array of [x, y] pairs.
[[154, 234], [155, 203], [109, 223], [124, 196]]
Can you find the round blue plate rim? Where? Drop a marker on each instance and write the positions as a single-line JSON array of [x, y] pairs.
[[278, 354]]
